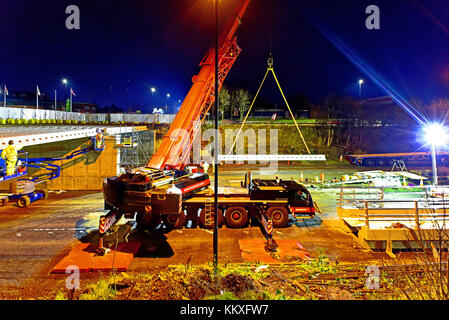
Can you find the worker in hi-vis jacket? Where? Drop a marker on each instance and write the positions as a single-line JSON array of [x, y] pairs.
[[99, 139], [9, 154], [206, 167]]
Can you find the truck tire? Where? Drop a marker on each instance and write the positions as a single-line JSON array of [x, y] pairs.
[[202, 219], [4, 201], [147, 221], [279, 216], [175, 221], [236, 217], [369, 162], [192, 215], [23, 202], [44, 194]]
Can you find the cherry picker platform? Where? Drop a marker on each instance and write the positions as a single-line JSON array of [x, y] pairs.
[[23, 190]]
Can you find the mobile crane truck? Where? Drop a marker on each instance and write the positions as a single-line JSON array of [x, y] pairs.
[[167, 190]]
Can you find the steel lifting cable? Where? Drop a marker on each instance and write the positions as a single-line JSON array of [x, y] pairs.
[[291, 113], [270, 68], [249, 110]]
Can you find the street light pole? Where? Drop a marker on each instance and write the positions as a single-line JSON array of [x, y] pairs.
[[166, 104], [360, 88], [215, 233], [434, 165], [436, 135]]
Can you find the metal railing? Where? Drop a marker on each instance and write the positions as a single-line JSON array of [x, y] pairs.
[[379, 209]]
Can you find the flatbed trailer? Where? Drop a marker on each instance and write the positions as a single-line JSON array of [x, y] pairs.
[[236, 208], [269, 199], [387, 159]]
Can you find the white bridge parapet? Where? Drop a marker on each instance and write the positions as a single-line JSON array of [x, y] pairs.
[[24, 136], [272, 157]]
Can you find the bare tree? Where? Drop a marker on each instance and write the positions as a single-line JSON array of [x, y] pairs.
[[439, 110], [225, 102], [242, 100], [424, 274]]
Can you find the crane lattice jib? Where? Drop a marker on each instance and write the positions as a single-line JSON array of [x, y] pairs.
[[174, 150]]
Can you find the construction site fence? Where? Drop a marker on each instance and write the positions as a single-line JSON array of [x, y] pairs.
[[10, 115]]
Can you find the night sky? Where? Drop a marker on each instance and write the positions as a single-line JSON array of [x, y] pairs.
[[124, 47]]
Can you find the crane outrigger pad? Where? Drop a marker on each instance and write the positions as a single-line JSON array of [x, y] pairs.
[[84, 256]]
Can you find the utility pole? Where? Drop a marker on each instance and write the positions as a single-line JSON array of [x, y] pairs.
[[56, 93]]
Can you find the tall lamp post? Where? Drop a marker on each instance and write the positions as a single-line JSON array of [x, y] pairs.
[[361, 81], [65, 82], [436, 135], [166, 104], [215, 233]]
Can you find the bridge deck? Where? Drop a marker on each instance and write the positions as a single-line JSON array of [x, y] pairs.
[[34, 135]]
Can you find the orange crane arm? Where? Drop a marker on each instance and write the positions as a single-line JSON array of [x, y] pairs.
[[174, 150]]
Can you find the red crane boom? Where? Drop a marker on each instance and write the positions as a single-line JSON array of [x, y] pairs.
[[174, 150]]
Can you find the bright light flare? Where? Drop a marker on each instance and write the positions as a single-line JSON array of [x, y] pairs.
[[436, 134], [361, 81]]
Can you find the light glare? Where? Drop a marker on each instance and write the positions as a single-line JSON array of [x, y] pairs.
[[436, 134]]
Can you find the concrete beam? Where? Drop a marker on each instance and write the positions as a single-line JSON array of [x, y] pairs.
[[29, 136]]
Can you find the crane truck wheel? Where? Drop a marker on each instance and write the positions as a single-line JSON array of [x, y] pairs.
[[279, 216], [23, 202], [210, 224], [147, 221], [236, 217], [175, 221]]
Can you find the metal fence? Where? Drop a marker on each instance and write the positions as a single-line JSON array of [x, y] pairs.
[[41, 114]]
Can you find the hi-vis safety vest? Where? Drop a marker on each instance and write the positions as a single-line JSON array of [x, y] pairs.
[[9, 153]]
